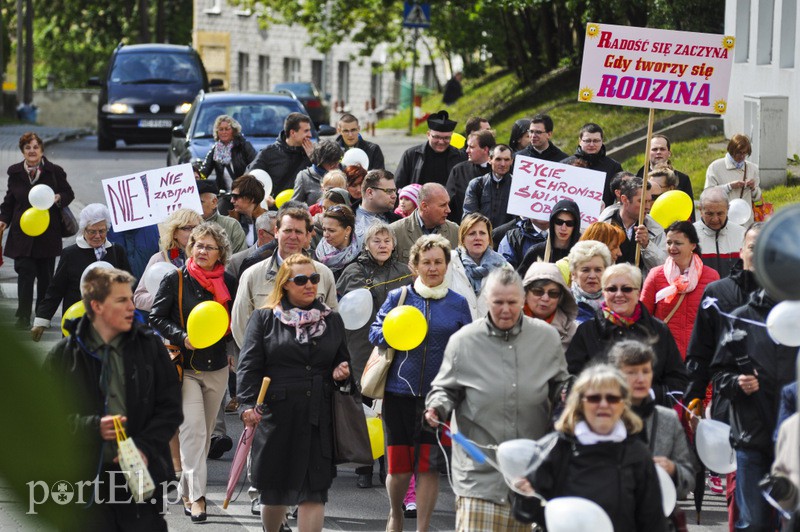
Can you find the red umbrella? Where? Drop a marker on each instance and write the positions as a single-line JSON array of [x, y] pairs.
[[243, 447]]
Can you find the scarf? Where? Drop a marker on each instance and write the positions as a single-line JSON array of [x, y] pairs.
[[307, 323], [680, 283], [586, 436], [222, 152], [476, 272], [731, 160], [622, 321], [591, 158], [437, 292], [593, 300], [337, 259], [213, 281]]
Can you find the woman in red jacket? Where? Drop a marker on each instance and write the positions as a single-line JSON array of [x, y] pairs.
[[673, 291]]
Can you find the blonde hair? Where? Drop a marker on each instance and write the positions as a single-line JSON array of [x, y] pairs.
[[282, 277], [179, 218], [586, 250], [334, 179], [235, 125], [428, 242], [469, 222], [630, 271], [597, 377]]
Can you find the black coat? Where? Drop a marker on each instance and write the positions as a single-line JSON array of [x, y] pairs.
[[165, 318], [152, 393], [296, 441], [602, 163], [753, 417], [620, 477], [594, 339], [373, 151], [552, 153], [410, 167], [48, 244], [242, 154], [66, 283], [457, 183], [282, 162], [490, 198]]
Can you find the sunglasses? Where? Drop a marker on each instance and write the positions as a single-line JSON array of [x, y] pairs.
[[302, 280], [539, 292], [568, 223], [596, 398], [623, 289]]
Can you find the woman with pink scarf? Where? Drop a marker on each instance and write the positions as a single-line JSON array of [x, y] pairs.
[[673, 292]]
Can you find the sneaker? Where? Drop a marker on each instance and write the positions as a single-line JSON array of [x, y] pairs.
[[714, 483], [219, 446], [255, 507], [233, 406], [410, 510]]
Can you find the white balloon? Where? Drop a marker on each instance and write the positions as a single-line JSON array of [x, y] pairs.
[[92, 266], [517, 459], [42, 197], [356, 308], [668, 494], [739, 211], [356, 156], [576, 514], [714, 446], [783, 323], [154, 274], [266, 180]]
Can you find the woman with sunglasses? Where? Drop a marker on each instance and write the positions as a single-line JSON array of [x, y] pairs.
[[599, 455], [622, 317], [565, 230], [410, 450], [300, 344], [339, 246], [205, 371], [548, 298]]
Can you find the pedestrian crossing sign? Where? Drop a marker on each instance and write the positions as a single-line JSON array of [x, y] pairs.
[[416, 15]]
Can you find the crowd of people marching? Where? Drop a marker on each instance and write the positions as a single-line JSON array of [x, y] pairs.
[[589, 336]]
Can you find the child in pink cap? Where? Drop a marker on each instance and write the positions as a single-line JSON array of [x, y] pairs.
[[409, 199]]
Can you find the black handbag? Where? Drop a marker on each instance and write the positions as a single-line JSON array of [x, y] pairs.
[[350, 433], [69, 225]]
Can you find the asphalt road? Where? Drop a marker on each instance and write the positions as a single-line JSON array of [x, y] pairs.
[[349, 508]]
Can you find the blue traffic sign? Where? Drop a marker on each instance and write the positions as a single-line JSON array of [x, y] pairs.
[[416, 15]]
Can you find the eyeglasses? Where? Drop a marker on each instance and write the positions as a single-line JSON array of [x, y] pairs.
[[592, 141], [536, 132], [302, 280], [440, 138], [95, 232], [187, 228], [568, 223], [596, 398], [203, 247], [390, 191], [540, 292], [623, 289]]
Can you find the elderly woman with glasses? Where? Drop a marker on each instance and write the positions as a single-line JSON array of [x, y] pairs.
[[300, 344], [205, 370], [229, 156], [622, 317], [90, 246], [599, 455]]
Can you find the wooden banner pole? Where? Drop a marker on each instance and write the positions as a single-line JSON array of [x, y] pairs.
[[650, 120]]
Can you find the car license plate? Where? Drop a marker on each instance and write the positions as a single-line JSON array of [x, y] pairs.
[[155, 123]]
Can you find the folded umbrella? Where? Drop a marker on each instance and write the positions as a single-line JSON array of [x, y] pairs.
[[243, 447]]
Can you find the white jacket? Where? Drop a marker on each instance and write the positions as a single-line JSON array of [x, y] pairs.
[[457, 281]]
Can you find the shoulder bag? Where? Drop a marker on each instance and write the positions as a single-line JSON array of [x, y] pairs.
[[69, 225], [350, 433], [373, 380]]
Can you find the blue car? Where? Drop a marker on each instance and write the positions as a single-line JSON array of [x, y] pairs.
[[261, 117]]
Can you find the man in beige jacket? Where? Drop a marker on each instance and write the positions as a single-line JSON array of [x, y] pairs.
[[429, 218]]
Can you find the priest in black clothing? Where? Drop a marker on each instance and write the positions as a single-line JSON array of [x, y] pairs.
[[432, 161]]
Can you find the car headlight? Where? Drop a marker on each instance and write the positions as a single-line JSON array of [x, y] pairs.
[[183, 108], [118, 108]]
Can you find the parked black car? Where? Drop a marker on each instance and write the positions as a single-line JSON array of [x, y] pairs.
[[146, 91], [317, 108], [260, 115]]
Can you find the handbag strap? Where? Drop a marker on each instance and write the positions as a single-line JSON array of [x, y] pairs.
[[403, 294], [180, 297], [675, 308], [744, 180]]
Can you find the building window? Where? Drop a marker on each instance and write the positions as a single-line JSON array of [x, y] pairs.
[[742, 50], [343, 89], [788, 33], [291, 69], [263, 73], [213, 7], [376, 84], [244, 72], [429, 77], [317, 74], [766, 14]]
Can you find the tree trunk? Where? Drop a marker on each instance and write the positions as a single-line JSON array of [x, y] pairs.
[[144, 22], [28, 93], [161, 30]]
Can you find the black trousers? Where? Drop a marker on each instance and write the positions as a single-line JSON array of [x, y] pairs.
[[32, 271], [114, 515]]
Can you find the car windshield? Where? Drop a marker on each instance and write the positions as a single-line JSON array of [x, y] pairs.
[[155, 67], [258, 119], [301, 90]]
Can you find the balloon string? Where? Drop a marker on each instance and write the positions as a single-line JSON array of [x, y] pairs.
[[712, 302], [469, 446], [672, 395], [389, 281]]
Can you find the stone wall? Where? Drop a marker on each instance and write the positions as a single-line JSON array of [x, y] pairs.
[[67, 108]]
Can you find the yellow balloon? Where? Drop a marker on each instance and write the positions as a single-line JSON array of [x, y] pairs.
[[404, 327], [283, 197], [457, 141], [34, 221], [207, 324], [672, 206], [76, 310], [375, 427]]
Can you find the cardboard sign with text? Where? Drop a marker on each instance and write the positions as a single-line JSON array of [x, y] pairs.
[[658, 69], [149, 197], [537, 185]]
